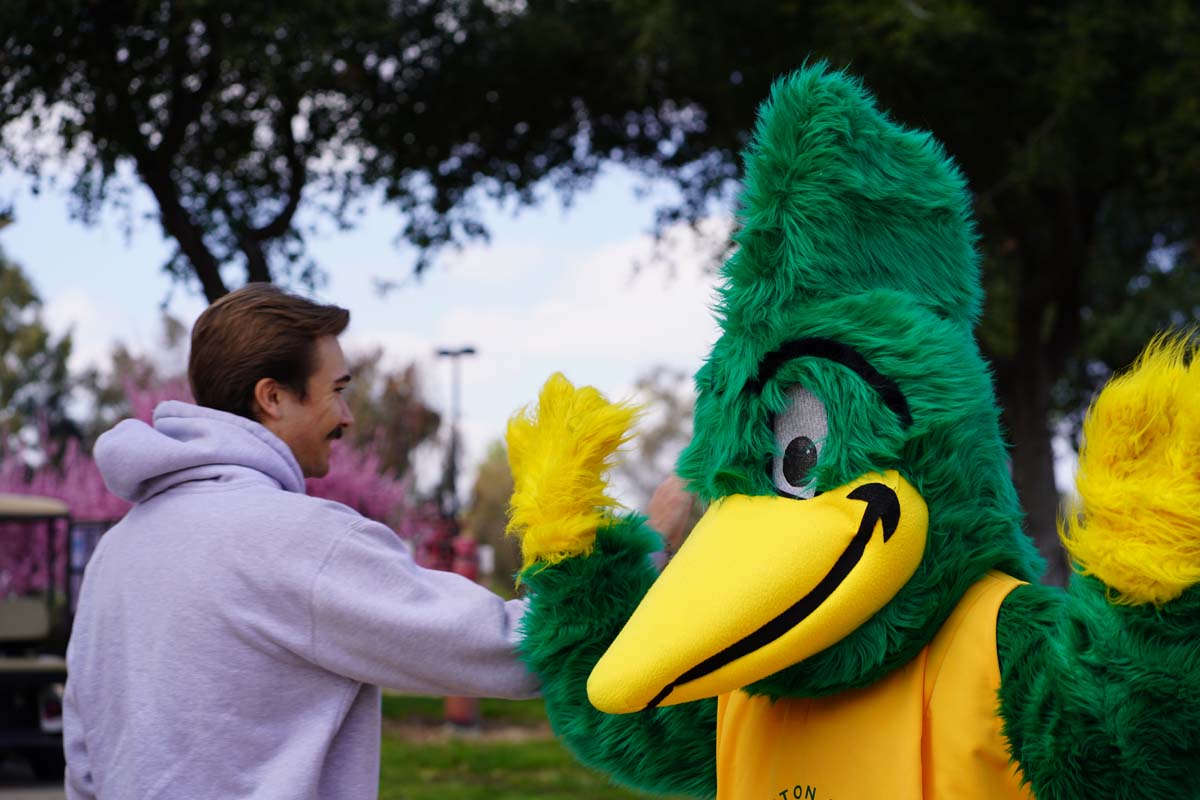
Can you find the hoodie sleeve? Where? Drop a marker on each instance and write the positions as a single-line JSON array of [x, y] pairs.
[[379, 618]]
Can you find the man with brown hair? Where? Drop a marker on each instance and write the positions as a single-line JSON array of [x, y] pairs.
[[233, 632]]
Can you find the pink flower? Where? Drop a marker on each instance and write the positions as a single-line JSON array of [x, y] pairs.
[[356, 479]]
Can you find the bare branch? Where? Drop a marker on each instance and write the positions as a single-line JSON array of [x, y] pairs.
[[257, 269]]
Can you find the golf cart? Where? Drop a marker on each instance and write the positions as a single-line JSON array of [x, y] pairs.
[[34, 625]]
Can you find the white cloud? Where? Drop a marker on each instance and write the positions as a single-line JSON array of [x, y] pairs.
[[602, 310], [1066, 462], [399, 348], [95, 330], [92, 331], [493, 264]]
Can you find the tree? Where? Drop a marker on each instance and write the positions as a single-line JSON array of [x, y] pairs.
[[487, 511], [357, 478], [72, 476], [1077, 123], [133, 384], [34, 379], [236, 115], [390, 410], [663, 429]]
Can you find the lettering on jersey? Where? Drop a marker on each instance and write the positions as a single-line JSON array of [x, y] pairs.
[[800, 791]]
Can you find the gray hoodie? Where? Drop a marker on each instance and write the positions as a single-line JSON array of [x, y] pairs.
[[233, 632]]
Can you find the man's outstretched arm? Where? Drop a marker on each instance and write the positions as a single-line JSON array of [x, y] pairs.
[[379, 618]]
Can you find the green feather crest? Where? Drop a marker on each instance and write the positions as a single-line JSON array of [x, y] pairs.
[[840, 199]]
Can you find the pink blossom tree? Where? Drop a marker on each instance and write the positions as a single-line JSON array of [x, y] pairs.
[[26, 548], [357, 479], [144, 397]]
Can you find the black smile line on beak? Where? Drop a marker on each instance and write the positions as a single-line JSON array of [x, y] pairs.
[[882, 506]]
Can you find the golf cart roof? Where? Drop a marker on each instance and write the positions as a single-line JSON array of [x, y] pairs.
[[28, 506]]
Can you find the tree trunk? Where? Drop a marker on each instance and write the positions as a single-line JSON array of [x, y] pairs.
[[257, 269], [154, 163], [179, 225], [1045, 313], [1025, 412]]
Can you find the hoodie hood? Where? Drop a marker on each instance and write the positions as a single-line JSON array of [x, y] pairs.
[[191, 443]]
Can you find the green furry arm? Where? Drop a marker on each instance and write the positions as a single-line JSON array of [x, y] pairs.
[[1098, 699], [577, 607]]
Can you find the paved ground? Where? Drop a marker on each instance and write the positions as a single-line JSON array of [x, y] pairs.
[[17, 783]]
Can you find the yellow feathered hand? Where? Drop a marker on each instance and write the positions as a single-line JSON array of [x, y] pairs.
[[1136, 523], [558, 454]]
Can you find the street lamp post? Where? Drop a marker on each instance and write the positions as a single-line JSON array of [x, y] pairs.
[[448, 496], [461, 712]]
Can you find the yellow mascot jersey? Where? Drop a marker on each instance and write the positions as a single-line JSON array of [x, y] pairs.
[[928, 730]]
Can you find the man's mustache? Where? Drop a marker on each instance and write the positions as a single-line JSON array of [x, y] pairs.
[[336, 433]]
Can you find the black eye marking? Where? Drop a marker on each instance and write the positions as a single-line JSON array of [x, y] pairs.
[[839, 353], [798, 460]]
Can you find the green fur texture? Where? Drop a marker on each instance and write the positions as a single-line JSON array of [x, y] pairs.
[[576, 609], [952, 454], [1101, 700], [839, 199], [858, 230]]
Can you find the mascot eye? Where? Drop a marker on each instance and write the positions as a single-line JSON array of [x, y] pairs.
[[800, 432]]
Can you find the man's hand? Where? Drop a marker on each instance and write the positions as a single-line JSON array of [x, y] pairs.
[[670, 513]]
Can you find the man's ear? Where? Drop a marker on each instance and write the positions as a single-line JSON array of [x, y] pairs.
[[268, 399]]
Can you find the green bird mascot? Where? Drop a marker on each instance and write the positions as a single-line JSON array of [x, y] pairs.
[[857, 614]]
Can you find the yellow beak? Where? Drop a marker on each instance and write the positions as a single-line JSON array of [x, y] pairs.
[[763, 583]]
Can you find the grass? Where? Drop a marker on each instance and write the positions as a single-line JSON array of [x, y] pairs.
[[400, 708], [456, 768], [464, 770]]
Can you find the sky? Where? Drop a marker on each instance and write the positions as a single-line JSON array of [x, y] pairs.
[[554, 290]]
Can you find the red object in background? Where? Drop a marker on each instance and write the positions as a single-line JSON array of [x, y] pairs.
[[435, 543], [441, 546], [466, 557], [463, 712]]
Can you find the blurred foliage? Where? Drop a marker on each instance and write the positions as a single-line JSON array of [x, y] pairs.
[[234, 115], [133, 382], [667, 399], [486, 514], [35, 384], [390, 410]]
